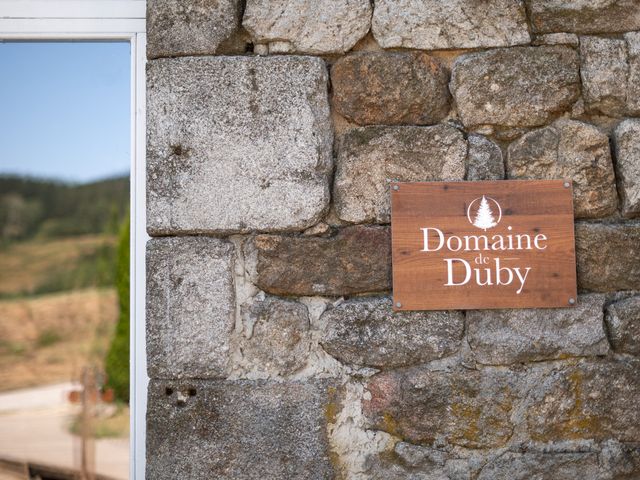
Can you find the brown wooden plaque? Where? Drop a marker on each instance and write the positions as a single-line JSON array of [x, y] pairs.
[[473, 245]]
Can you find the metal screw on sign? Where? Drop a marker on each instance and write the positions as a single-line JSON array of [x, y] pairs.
[[567, 184], [396, 187], [572, 301], [398, 305]]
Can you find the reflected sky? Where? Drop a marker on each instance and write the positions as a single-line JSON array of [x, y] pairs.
[[65, 109]]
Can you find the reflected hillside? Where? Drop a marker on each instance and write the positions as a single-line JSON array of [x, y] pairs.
[[58, 258]]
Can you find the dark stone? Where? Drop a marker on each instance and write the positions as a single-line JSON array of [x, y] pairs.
[[626, 138], [594, 399], [544, 466], [366, 332], [469, 408], [608, 256], [570, 150], [528, 335], [237, 430], [390, 88], [623, 325], [414, 462], [355, 260], [585, 16]]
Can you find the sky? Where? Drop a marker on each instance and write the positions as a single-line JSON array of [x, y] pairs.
[[65, 110]]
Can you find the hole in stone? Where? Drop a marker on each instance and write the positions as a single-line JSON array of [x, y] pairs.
[[192, 392], [168, 391]]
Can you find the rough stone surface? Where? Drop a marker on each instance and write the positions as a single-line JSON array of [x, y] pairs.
[[633, 79], [369, 158], [622, 460], [515, 87], [604, 71], [355, 260], [193, 27], [190, 307], [329, 26], [279, 339], [590, 400], [415, 462], [529, 335], [237, 430], [557, 39], [468, 408], [237, 144], [626, 138], [484, 161], [623, 325], [584, 16], [366, 332], [434, 25], [390, 88], [544, 466], [572, 150], [608, 256]]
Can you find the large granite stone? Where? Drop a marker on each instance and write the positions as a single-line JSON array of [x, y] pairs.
[[390, 88], [329, 26], [610, 71], [623, 325], [240, 430], [529, 335], [366, 332], [545, 466], [484, 159], [470, 408], [571, 150], [193, 27], [355, 260], [584, 16], [434, 25], [593, 399], [190, 307], [626, 139], [279, 337], [369, 158], [604, 71], [237, 144], [515, 87], [608, 256]]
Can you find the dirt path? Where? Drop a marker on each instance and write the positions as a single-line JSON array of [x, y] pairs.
[[33, 426]]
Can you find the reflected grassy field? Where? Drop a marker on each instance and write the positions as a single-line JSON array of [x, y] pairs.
[[36, 267], [48, 338]]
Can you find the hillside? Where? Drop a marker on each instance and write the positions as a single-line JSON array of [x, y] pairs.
[[41, 208], [39, 266], [58, 305], [50, 338]]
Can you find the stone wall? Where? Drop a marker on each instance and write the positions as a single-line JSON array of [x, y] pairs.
[[274, 129]]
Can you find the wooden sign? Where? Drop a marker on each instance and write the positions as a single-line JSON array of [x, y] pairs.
[[474, 245]]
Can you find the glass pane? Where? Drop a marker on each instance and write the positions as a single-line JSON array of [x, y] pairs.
[[64, 257]]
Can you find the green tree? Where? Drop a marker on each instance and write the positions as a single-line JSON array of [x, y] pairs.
[[117, 362]]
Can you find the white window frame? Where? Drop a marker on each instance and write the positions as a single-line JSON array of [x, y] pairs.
[[106, 20]]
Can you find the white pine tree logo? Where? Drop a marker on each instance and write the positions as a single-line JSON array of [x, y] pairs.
[[484, 217]]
